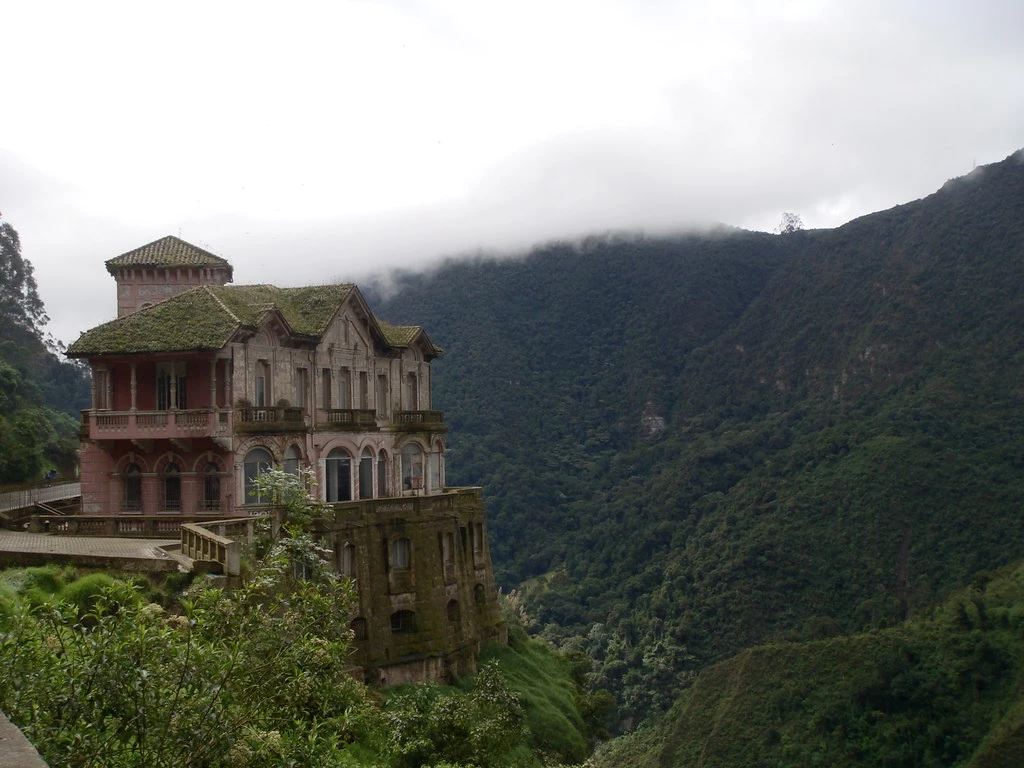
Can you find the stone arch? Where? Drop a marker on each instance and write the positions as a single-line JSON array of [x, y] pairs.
[[170, 457], [131, 458], [209, 457]]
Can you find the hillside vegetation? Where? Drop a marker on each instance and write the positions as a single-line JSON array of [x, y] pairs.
[[943, 691], [697, 444], [40, 395]]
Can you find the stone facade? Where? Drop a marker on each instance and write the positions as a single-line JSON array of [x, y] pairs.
[[195, 394]]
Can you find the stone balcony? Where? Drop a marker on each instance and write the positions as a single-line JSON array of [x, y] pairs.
[[153, 425], [222, 422]]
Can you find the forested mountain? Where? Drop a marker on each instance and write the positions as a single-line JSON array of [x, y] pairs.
[[934, 692], [40, 395], [692, 445]]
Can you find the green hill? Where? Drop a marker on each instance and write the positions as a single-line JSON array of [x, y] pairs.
[[692, 445], [943, 691]]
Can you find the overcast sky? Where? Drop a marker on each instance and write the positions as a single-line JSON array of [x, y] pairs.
[[311, 142]]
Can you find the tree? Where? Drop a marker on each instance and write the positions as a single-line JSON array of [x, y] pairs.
[[20, 304], [789, 224], [256, 676]]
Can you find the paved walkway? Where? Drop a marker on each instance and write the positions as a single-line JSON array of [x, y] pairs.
[[88, 546], [28, 497]]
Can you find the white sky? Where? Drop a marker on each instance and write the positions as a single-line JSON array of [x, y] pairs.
[[309, 142]]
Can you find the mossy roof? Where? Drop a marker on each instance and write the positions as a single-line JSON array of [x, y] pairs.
[[407, 335], [207, 317], [167, 252]]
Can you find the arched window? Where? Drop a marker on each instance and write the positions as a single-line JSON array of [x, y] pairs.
[[347, 560], [133, 488], [292, 460], [401, 553], [366, 474], [211, 487], [358, 627], [403, 622], [453, 611], [412, 467], [257, 461], [339, 475], [382, 474], [436, 467], [172, 488], [479, 595]]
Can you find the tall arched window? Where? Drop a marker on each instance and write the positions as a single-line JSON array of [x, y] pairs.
[[366, 474], [172, 488], [382, 473], [437, 467], [211, 487], [339, 475], [347, 560], [257, 461], [292, 460], [412, 467], [133, 488]]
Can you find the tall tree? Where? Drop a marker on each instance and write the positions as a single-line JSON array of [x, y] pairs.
[[20, 304]]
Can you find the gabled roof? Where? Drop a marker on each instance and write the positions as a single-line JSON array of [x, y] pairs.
[[407, 335], [168, 252]]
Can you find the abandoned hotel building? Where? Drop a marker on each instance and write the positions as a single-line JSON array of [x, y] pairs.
[[199, 386]]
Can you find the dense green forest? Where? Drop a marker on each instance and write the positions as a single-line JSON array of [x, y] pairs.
[[938, 691], [40, 394], [693, 445]]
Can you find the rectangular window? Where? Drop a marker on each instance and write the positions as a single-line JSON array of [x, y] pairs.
[[301, 387], [400, 554], [364, 390], [101, 382], [344, 388], [325, 388], [261, 390], [412, 393], [382, 395]]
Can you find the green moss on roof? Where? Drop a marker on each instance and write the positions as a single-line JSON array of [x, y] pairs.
[[168, 251], [192, 320], [308, 311], [404, 335], [208, 316]]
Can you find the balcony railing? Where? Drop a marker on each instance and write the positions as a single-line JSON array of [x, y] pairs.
[[270, 419], [419, 419], [345, 419], [109, 425]]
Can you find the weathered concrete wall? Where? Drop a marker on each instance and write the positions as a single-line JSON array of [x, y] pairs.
[[426, 597], [15, 750]]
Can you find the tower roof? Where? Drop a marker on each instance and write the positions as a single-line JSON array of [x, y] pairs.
[[168, 252]]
